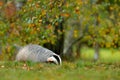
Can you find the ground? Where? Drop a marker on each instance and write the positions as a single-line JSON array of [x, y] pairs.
[[106, 69]]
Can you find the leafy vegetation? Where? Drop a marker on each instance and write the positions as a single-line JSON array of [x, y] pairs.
[[59, 25], [63, 26]]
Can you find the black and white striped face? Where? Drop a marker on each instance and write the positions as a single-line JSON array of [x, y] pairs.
[[55, 59]]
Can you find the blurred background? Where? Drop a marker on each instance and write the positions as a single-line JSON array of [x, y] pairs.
[[74, 29]]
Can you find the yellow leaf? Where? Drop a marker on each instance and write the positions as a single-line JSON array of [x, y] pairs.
[[75, 33], [43, 12]]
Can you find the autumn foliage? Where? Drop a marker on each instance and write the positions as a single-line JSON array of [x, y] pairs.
[[46, 21]]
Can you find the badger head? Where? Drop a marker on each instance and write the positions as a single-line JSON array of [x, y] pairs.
[[55, 59]]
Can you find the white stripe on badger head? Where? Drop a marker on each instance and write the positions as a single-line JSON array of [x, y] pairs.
[[55, 58], [58, 59], [52, 59]]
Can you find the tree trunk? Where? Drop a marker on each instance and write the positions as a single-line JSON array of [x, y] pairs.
[[0, 49], [96, 54], [60, 38], [78, 54], [68, 42]]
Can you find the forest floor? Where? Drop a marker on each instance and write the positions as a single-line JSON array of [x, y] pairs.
[[107, 68]]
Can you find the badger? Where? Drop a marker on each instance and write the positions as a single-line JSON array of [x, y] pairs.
[[37, 53]]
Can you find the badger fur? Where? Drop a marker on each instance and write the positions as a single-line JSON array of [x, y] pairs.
[[36, 53]]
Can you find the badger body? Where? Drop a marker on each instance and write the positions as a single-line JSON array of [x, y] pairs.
[[37, 53]]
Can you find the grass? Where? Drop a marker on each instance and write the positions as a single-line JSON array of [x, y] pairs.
[[106, 55], [105, 69], [68, 71]]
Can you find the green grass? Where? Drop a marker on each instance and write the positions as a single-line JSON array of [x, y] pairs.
[[106, 55], [104, 69], [68, 71]]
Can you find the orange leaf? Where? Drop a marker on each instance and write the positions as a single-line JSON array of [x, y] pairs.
[[1, 3], [65, 14]]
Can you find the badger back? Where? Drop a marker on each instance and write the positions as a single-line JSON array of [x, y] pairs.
[[34, 53]]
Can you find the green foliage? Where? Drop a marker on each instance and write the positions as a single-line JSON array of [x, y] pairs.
[[37, 22], [98, 24]]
